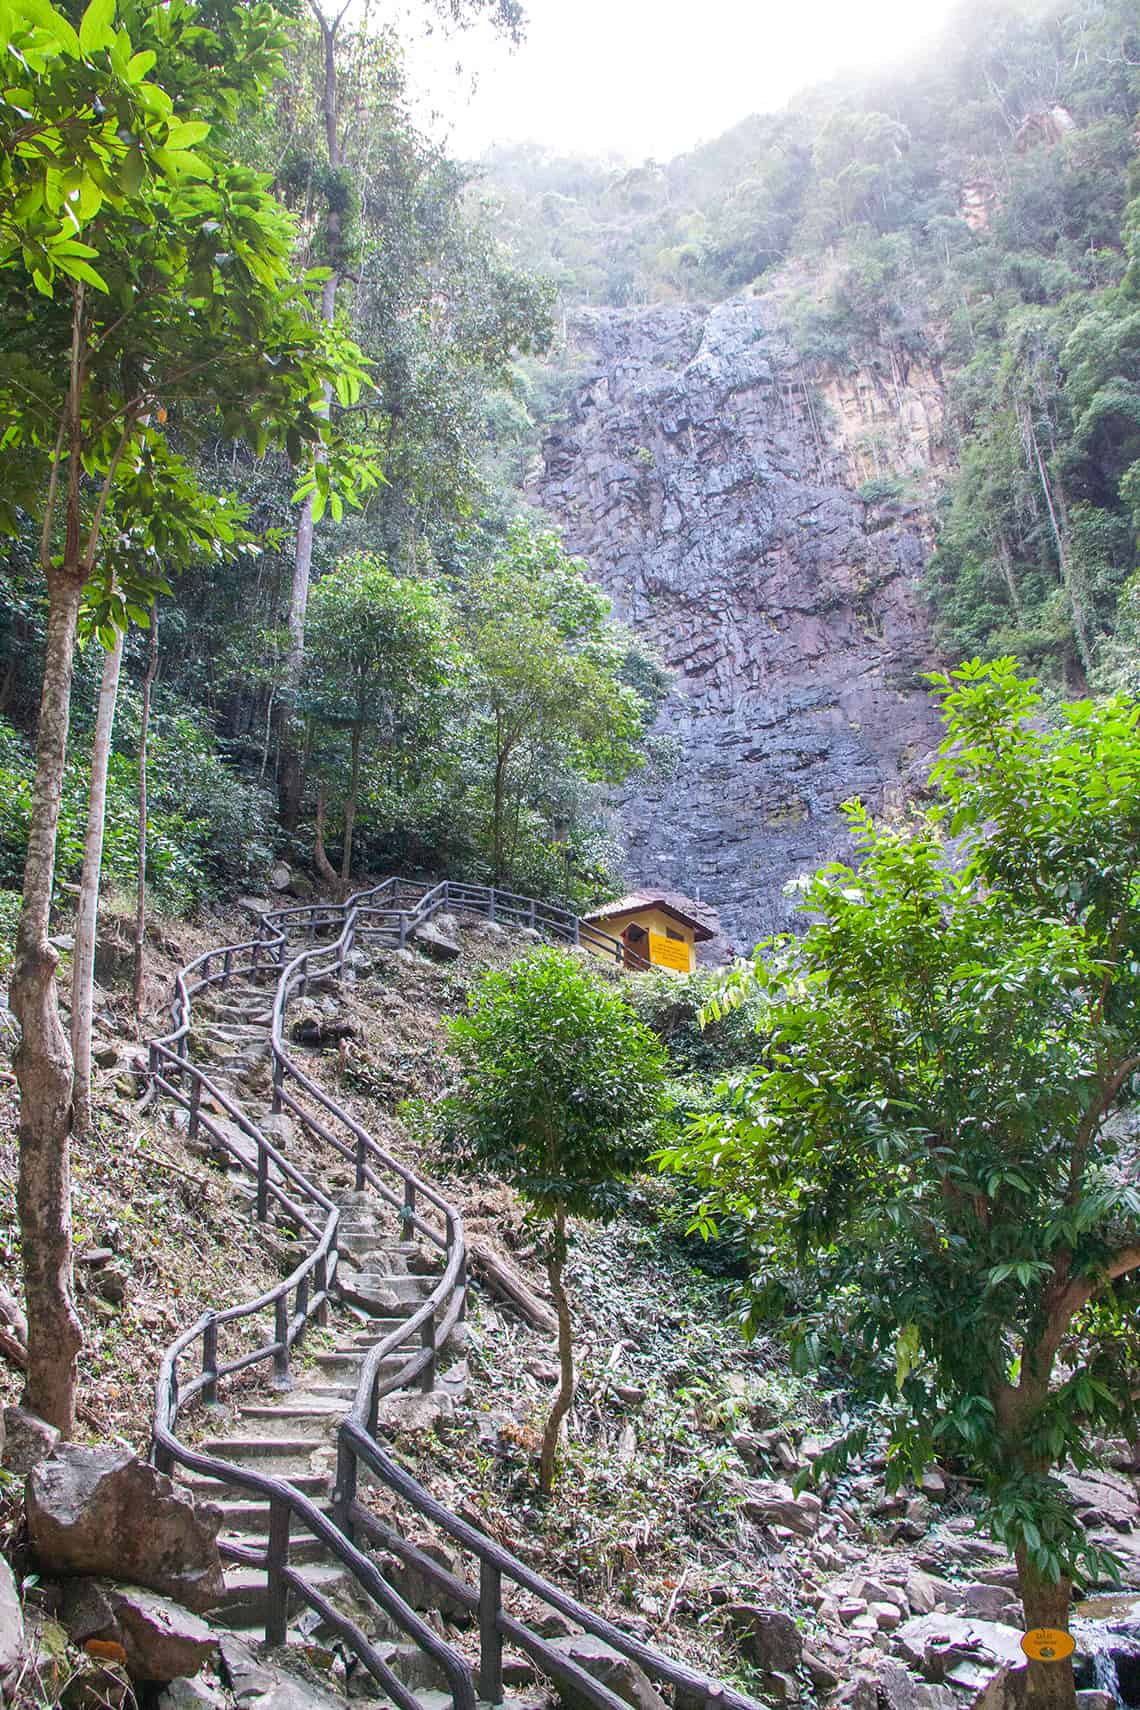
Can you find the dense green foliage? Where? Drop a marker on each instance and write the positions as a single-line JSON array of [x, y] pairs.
[[440, 316], [932, 1158], [974, 219], [562, 1085], [562, 1091]]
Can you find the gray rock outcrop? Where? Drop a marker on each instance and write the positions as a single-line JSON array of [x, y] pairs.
[[106, 1513], [714, 493]]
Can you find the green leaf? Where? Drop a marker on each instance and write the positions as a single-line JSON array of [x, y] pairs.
[[96, 27], [186, 133]]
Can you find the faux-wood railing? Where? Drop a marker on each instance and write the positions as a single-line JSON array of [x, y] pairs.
[[390, 911]]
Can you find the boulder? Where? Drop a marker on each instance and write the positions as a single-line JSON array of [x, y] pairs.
[[280, 876], [823, 1676], [11, 1625], [185, 1694], [898, 1688], [991, 1602], [162, 1640], [623, 1677], [921, 1592], [434, 942], [1094, 1699], [957, 1649], [322, 1030], [766, 1637], [105, 1512], [27, 1439], [156, 1637], [1103, 1498], [420, 1590], [774, 1503], [1006, 1690]]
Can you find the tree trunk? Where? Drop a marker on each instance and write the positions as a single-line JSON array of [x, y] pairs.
[[1060, 540], [139, 975], [1050, 1685], [350, 809], [497, 819], [43, 1059], [87, 922], [564, 1400], [320, 857], [291, 773]]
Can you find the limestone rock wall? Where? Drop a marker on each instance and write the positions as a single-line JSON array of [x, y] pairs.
[[713, 493]]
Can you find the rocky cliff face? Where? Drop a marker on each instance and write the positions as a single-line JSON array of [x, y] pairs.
[[713, 493]]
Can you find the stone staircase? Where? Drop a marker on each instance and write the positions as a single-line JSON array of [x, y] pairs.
[[290, 1432]]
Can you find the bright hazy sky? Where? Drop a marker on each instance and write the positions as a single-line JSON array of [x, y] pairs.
[[652, 77]]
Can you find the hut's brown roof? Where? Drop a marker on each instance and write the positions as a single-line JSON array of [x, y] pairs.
[[698, 916]]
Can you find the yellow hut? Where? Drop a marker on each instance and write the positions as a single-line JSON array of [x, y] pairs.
[[655, 930]]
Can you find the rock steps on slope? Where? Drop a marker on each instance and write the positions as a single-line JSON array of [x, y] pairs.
[[382, 1279]]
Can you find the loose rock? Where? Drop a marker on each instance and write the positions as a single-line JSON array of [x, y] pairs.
[[600, 1660], [434, 942], [28, 1439]]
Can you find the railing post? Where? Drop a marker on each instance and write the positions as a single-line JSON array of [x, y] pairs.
[[195, 1107], [427, 1340], [461, 1285], [321, 1282], [361, 1155], [152, 1059], [261, 1205], [277, 1589], [278, 1082], [491, 903], [490, 1638], [210, 1360], [303, 1305], [532, 912], [403, 929], [345, 1493], [227, 966], [577, 930], [407, 1226], [281, 1377]]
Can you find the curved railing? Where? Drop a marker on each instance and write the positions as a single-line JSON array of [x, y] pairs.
[[390, 913]]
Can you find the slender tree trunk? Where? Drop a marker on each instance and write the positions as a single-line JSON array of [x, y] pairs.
[[320, 856], [1060, 540], [350, 809], [1050, 1684], [139, 977], [498, 809], [564, 1400], [43, 1059], [1009, 574], [87, 923], [291, 777]]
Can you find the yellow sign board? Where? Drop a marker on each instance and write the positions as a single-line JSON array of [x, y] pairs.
[[1048, 1644], [668, 952]]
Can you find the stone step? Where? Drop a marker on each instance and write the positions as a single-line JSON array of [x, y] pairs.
[[257, 1448], [244, 1604], [216, 1490], [304, 1547], [338, 1368], [310, 1421], [240, 1514]]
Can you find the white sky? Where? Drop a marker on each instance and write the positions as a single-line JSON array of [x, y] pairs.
[[650, 78]]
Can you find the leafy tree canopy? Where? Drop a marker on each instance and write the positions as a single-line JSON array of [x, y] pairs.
[[933, 1156]]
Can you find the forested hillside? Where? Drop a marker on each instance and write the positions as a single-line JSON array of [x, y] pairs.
[[974, 216]]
